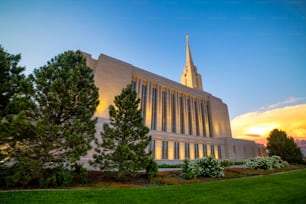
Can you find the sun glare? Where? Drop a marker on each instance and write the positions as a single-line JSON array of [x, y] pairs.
[[260, 130]]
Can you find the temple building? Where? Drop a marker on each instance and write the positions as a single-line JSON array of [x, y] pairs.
[[184, 120]]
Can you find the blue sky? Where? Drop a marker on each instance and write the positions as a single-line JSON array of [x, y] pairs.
[[251, 54]]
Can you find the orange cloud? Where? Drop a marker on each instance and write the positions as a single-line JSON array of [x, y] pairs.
[[257, 125]]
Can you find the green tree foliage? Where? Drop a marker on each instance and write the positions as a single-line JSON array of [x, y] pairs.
[[15, 92], [151, 169], [282, 145], [124, 139], [11, 78], [190, 170], [65, 101], [55, 126]]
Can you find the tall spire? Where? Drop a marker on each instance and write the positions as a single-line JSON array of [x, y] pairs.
[[189, 61], [191, 77]]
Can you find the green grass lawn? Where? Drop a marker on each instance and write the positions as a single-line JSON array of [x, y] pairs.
[[289, 187]]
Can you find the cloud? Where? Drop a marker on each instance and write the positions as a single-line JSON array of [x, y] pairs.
[[290, 100], [257, 125], [252, 135]]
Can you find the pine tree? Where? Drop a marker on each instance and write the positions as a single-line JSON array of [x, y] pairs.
[[282, 145], [66, 99], [56, 124], [10, 79], [14, 100], [124, 139]]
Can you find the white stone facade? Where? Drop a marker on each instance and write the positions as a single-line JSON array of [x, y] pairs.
[[185, 122]]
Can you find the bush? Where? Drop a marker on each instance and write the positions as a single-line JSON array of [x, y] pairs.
[[266, 163], [225, 163], [207, 167], [29, 173], [211, 167], [56, 177], [238, 162], [64, 177], [49, 181], [190, 170], [277, 162], [80, 173], [23, 173], [259, 163], [152, 169], [170, 166]]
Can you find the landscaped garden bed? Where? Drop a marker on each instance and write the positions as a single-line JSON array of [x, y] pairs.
[[177, 176], [174, 177], [286, 187]]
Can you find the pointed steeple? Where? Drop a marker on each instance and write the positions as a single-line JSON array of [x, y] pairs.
[[191, 77], [189, 61]]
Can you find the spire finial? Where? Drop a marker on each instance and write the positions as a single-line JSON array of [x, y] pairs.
[[190, 77], [188, 53]]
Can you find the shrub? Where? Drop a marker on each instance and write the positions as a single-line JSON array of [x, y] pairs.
[[170, 166], [266, 163], [225, 163], [238, 162], [151, 169], [211, 167], [23, 173], [49, 181], [259, 163], [277, 162], [190, 170], [64, 177], [80, 173]]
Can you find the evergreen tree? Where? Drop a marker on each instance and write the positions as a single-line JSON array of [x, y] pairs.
[[14, 100], [10, 79], [124, 139], [65, 99], [283, 146]]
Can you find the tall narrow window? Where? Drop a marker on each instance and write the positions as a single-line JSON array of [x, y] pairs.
[[152, 148], [219, 152], [189, 116], [173, 112], [212, 150], [182, 118], [133, 85], [196, 118], [205, 150], [164, 111], [209, 122], [176, 150], [165, 150], [203, 119], [187, 151], [154, 108], [144, 101], [196, 151]]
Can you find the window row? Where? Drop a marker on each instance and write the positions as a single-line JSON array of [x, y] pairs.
[[173, 150], [171, 111]]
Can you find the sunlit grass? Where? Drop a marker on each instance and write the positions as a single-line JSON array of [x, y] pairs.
[[286, 187]]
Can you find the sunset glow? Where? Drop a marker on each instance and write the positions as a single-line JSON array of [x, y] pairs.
[[260, 130], [257, 125]]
